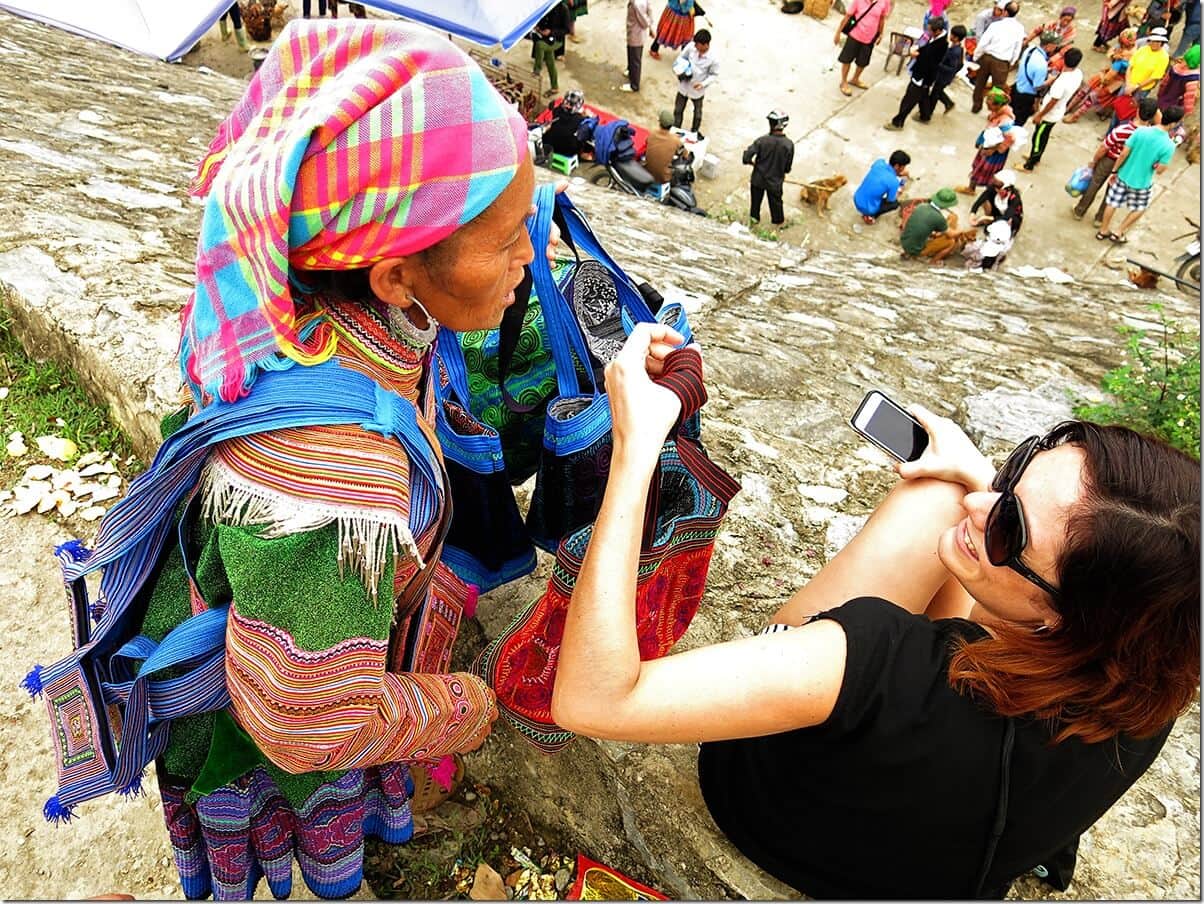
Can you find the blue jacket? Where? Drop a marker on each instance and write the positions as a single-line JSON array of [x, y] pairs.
[[881, 182]]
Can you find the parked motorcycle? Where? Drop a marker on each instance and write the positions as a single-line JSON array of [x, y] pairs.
[[1187, 276], [631, 177]]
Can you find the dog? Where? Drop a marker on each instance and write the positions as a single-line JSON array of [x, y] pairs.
[[820, 191]]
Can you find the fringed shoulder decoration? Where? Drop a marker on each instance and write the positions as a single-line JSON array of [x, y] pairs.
[[288, 481]]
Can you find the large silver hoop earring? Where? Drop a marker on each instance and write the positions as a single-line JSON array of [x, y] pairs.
[[405, 328], [430, 318]]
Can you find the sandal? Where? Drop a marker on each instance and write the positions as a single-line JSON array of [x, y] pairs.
[[1117, 239], [846, 90], [862, 85], [1101, 235]]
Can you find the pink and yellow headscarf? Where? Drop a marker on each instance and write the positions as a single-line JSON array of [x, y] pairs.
[[356, 140]]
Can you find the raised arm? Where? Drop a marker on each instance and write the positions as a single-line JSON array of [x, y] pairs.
[[741, 688]]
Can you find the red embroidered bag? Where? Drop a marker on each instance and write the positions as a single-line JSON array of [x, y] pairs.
[[687, 500]]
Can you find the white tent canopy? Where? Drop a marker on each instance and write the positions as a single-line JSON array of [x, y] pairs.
[[168, 28]]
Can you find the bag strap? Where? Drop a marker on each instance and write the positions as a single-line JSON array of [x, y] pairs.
[[682, 375], [582, 237], [508, 335], [1001, 806], [564, 333]]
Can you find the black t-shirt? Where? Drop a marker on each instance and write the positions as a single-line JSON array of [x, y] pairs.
[[894, 796]]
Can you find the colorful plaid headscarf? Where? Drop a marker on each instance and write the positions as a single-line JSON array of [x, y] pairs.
[[357, 140]]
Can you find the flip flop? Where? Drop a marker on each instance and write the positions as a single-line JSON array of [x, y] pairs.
[[1101, 235], [846, 90], [1117, 239]]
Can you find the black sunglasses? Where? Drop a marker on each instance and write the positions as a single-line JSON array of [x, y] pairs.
[[1006, 532]]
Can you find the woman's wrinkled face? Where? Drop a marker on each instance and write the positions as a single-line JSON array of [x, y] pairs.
[[1050, 487], [467, 281]]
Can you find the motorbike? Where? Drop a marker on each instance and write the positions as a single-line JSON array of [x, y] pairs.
[[1187, 275], [630, 177]]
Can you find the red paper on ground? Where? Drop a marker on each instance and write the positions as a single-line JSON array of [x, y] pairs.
[[598, 882]]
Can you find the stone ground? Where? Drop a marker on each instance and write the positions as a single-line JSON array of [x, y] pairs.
[[769, 60], [96, 238]]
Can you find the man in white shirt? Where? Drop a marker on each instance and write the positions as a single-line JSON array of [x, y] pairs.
[[997, 50], [1059, 95], [698, 73]]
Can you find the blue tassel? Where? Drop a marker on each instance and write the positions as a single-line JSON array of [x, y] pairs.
[[73, 548], [96, 610], [33, 682], [55, 812], [134, 788]]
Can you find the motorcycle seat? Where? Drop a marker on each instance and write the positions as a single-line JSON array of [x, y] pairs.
[[636, 175]]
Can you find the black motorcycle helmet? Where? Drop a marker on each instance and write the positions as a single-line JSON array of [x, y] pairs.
[[778, 120]]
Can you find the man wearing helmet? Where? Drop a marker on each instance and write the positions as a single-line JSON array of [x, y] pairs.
[[771, 157]]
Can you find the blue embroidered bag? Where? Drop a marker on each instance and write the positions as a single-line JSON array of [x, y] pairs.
[[584, 336], [110, 702]]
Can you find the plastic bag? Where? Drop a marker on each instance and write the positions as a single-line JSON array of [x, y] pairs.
[[1078, 181]]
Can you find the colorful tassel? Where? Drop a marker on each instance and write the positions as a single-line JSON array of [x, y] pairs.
[[470, 601], [33, 682], [444, 772], [96, 610], [134, 788], [74, 548], [55, 812]]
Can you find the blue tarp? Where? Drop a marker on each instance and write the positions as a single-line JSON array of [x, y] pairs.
[[167, 29]]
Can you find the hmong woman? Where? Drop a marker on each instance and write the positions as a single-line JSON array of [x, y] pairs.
[[1181, 84], [1113, 19], [676, 26], [1102, 88], [993, 143], [369, 186]]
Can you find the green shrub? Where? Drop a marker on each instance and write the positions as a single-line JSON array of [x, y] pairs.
[[1157, 389]]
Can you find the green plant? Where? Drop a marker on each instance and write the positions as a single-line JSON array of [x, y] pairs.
[[1157, 388], [44, 398]]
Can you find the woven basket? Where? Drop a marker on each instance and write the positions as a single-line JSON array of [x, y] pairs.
[[817, 9]]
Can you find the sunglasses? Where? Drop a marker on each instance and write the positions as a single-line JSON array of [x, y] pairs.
[[1006, 531]]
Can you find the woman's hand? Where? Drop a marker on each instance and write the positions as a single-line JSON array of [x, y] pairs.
[[641, 412], [950, 455]]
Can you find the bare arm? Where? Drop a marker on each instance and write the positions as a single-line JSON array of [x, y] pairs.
[[741, 688]]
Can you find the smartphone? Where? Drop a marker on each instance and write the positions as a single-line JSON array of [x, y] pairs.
[[885, 424]]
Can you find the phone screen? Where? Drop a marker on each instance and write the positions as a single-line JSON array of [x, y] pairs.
[[895, 430]]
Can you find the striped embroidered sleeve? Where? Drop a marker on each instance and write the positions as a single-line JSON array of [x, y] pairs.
[[306, 650], [339, 709]]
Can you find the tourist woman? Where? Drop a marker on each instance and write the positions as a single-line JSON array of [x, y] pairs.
[[993, 142], [964, 689], [338, 227], [1101, 89]]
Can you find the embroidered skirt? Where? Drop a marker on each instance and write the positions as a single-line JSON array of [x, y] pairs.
[[231, 837], [985, 166], [674, 30]]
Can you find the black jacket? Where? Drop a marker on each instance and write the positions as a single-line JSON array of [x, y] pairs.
[[927, 64], [772, 156], [557, 20]]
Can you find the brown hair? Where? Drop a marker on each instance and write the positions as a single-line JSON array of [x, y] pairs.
[[1125, 655]]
